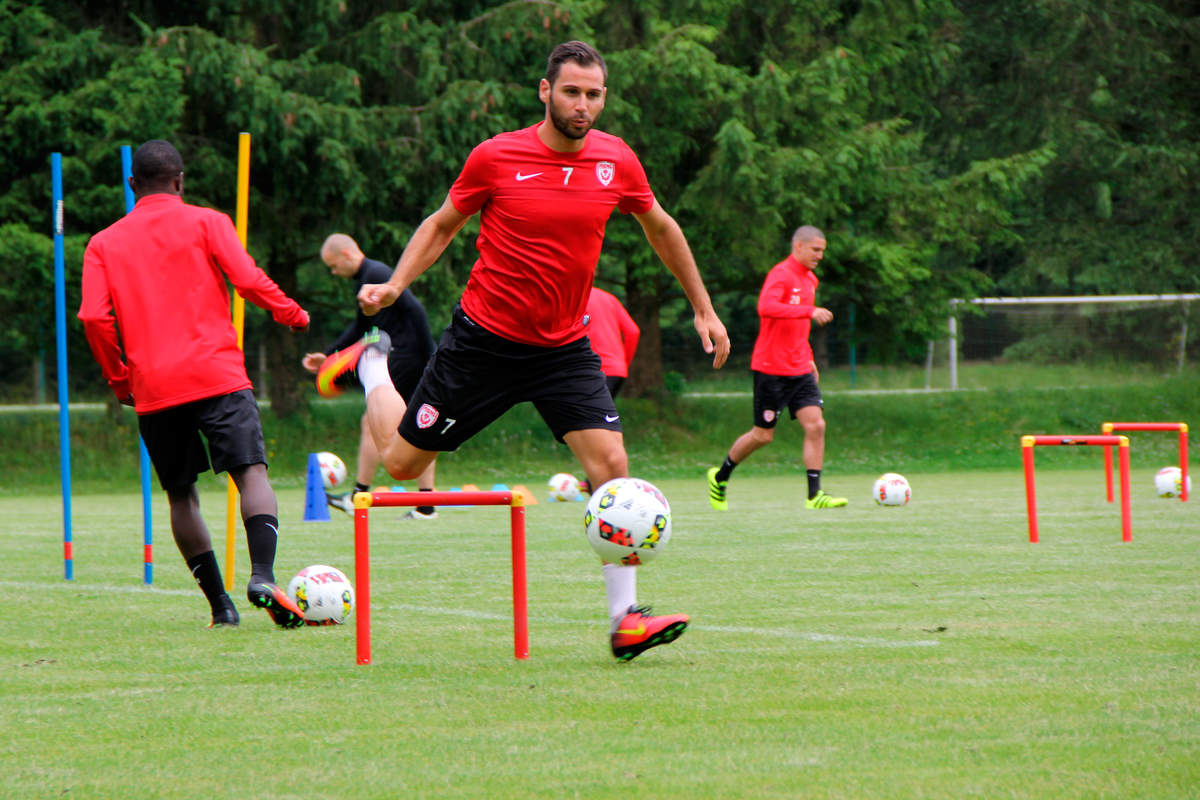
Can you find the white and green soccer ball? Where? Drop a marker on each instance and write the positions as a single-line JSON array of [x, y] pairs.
[[628, 521], [323, 593], [1168, 482], [891, 489]]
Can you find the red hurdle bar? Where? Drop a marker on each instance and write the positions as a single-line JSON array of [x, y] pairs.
[[1029, 442], [364, 501], [1109, 427]]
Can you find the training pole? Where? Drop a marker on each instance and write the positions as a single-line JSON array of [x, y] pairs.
[[365, 501], [143, 454], [60, 332], [1181, 427], [239, 317], [1029, 442]]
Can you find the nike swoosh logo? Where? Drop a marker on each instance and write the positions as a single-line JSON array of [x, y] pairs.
[[612, 418], [521, 177], [640, 630]]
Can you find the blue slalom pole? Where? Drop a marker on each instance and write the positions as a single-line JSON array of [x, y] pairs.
[[60, 326], [143, 455]]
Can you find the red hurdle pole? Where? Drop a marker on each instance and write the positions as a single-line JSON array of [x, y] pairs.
[[1110, 427], [364, 501], [1029, 442]]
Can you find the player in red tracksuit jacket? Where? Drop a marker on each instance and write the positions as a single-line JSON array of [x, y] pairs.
[[544, 195], [785, 374], [613, 335], [156, 312]]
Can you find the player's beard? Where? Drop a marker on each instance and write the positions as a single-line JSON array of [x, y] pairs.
[[562, 123]]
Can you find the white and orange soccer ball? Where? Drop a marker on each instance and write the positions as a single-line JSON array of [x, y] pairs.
[[323, 593], [1168, 482], [891, 489], [628, 521], [564, 487], [333, 469]]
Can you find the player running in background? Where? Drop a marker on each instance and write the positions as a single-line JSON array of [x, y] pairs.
[[156, 313], [785, 374], [412, 345], [544, 195], [613, 335]]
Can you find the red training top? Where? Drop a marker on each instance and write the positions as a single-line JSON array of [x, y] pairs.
[[154, 281], [541, 228], [785, 307], [612, 332]]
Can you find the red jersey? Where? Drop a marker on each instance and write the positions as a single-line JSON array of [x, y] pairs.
[[785, 307], [612, 332], [541, 228], [154, 284]]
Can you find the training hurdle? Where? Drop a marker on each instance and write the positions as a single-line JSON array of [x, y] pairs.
[[1029, 442], [1108, 428], [365, 501]]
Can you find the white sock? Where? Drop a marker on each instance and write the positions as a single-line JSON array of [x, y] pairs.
[[372, 371], [621, 585]]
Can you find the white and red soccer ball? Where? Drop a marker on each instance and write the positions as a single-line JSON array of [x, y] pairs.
[[1168, 482], [323, 593], [891, 489], [564, 487], [628, 521], [333, 469]]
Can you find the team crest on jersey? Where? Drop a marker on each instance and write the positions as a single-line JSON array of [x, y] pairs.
[[426, 415], [605, 170]]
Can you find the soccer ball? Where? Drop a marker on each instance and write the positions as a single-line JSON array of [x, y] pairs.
[[891, 489], [333, 469], [1168, 482], [323, 593], [628, 521], [563, 487]]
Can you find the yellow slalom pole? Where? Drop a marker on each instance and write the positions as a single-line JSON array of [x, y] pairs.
[[239, 318]]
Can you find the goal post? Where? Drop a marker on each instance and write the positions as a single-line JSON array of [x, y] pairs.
[[953, 324]]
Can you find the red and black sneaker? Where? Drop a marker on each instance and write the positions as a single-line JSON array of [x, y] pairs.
[[225, 614], [344, 361], [638, 631], [283, 611]]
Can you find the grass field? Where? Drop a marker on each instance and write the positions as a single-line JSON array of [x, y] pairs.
[[929, 651]]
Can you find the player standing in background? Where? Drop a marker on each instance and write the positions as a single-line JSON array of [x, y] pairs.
[[154, 288], [613, 335], [785, 373], [544, 195], [412, 345]]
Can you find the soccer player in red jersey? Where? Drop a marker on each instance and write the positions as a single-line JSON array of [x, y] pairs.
[[156, 313], [544, 195], [785, 373], [613, 335]]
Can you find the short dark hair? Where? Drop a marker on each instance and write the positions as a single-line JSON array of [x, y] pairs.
[[581, 53], [156, 162]]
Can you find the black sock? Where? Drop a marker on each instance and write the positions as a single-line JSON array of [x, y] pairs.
[[426, 509], [814, 482], [208, 576], [262, 534], [726, 469], [361, 487]]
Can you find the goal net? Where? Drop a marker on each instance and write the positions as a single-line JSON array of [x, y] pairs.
[[1103, 330]]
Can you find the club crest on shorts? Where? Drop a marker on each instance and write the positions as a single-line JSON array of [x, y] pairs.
[[768, 415], [605, 171], [426, 415]]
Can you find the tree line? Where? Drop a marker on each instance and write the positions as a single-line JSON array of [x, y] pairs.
[[948, 148]]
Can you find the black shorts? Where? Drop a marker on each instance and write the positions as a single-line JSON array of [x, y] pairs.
[[229, 423], [772, 393], [475, 376]]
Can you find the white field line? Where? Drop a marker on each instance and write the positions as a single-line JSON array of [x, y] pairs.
[[782, 633]]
